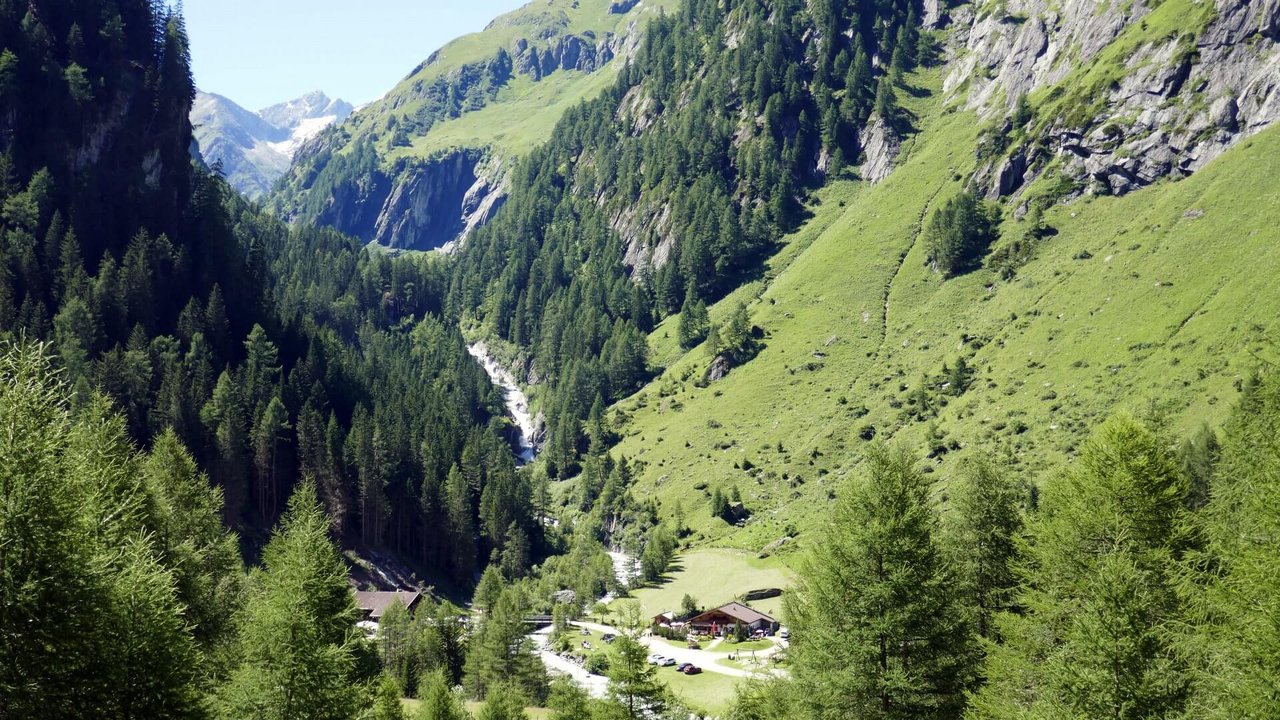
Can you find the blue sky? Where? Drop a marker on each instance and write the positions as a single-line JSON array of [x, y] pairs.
[[261, 52]]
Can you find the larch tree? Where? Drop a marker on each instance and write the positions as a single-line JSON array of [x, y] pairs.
[[876, 631], [1233, 587], [500, 654], [438, 701], [633, 682], [297, 631], [1097, 604], [986, 526]]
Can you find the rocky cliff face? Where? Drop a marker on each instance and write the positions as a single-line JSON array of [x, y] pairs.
[[567, 52], [424, 205], [1136, 91]]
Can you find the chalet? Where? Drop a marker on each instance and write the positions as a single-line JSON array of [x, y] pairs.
[[722, 620], [373, 604], [665, 618]]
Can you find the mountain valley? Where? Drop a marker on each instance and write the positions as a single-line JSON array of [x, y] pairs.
[[738, 359]]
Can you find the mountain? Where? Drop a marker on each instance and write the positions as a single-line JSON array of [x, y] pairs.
[[430, 161], [255, 149]]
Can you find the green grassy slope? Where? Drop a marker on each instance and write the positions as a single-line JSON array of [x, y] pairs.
[[524, 111], [1170, 299]]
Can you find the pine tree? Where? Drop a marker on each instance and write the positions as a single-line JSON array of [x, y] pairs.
[[503, 703], [694, 321], [960, 232], [438, 700], [886, 103], [397, 641], [386, 701], [488, 589], [567, 700], [1098, 599], [297, 631], [186, 522], [44, 619], [91, 623], [875, 629], [500, 654], [267, 438], [461, 532]]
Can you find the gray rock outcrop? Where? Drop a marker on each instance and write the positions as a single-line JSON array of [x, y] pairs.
[[1176, 102], [881, 148]]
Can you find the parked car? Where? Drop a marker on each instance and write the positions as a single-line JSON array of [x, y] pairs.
[[784, 633], [692, 670], [681, 667], [667, 662], [656, 659]]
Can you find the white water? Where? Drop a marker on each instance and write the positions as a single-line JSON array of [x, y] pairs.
[[625, 568], [516, 401]]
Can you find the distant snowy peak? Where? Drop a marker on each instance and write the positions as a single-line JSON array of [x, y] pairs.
[[310, 107], [255, 149]]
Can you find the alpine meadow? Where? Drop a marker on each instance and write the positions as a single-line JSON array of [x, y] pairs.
[[642, 360]]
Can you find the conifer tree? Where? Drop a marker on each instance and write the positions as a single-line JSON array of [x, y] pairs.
[[90, 619], [1234, 589], [297, 631], [438, 699], [186, 523], [1098, 601], [984, 535], [503, 703], [500, 653], [386, 701], [633, 682], [694, 321], [875, 629]]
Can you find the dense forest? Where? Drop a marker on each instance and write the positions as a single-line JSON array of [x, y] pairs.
[[272, 353], [180, 374]]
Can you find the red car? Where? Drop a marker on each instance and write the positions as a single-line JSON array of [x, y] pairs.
[[691, 670]]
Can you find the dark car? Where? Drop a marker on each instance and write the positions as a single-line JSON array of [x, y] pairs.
[[691, 670], [683, 666]]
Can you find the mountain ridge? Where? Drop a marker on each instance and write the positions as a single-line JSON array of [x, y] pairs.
[[453, 128]]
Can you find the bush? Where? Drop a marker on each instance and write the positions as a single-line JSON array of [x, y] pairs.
[[597, 663]]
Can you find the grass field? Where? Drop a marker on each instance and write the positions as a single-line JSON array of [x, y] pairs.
[[714, 577], [709, 692]]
